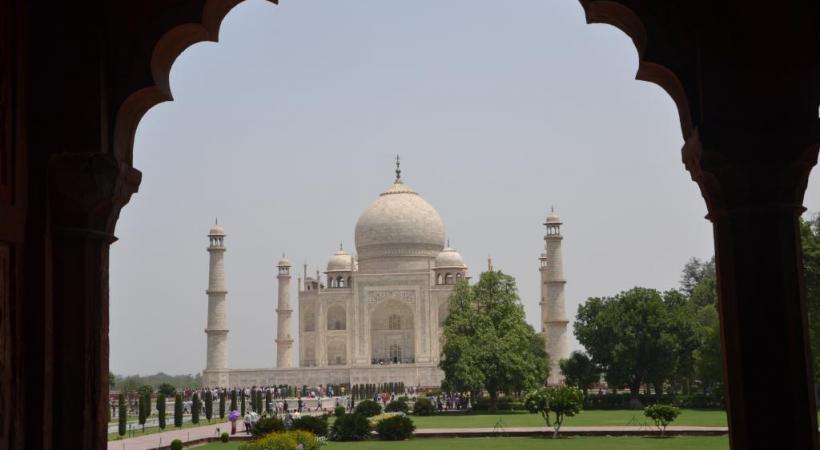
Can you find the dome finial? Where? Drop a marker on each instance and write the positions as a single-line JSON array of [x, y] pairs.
[[398, 169], [448, 242], [341, 246]]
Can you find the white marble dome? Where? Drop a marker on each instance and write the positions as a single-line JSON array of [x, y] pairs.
[[284, 262], [399, 223], [216, 230], [340, 262], [449, 258]]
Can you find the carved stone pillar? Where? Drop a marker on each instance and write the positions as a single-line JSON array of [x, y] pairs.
[[753, 180], [86, 193]]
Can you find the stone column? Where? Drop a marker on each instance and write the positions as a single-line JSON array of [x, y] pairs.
[[217, 328], [754, 204], [86, 193]]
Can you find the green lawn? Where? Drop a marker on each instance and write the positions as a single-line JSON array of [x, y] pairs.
[[596, 417], [169, 426], [516, 443]]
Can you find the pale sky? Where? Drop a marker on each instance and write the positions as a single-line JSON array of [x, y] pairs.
[[288, 127]]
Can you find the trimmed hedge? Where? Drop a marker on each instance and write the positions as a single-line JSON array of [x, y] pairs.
[[350, 427], [423, 407], [316, 425], [397, 428], [625, 401], [397, 406], [368, 408], [267, 425]]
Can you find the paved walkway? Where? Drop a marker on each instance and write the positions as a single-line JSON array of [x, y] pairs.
[[156, 440], [153, 441]]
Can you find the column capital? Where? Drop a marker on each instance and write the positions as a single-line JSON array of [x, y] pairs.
[[753, 167], [87, 191]]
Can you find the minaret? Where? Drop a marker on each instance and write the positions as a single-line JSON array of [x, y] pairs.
[[217, 329], [553, 305], [284, 341]]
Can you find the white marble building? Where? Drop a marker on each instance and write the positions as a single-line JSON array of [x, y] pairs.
[[375, 316]]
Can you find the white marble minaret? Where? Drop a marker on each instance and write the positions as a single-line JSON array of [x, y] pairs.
[[284, 341], [217, 329], [553, 305]]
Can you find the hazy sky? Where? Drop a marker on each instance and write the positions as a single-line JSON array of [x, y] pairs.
[[287, 129]]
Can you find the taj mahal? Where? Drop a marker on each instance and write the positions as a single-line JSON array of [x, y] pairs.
[[376, 316]]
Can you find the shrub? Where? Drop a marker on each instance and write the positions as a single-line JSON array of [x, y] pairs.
[[161, 410], [267, 425], [288, 440], [397, 406], [316, 425], [224, 437], [554, 404], [350, 427], [176, 444], [396, 428], [123, 415], [178, 411], [368, 408], [339, 411], [662, 415], [423, 407], [502, 404]]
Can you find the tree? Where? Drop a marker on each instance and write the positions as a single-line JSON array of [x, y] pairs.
[[178, 410], [221, 404], [112, 380], [161, 410], [268, 401], [662, 415], [636, 337], [487, 342], [694, 272], [810, 238], [555, 404], [196, 405], [580, 371], [123, 416], [242, 402], [209, 405], [141, 412], [233, 400], [167, 389]]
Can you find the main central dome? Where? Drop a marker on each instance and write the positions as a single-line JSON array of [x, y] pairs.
[[399, 223]]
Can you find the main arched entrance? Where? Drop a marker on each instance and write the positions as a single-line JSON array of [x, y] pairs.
[[392, 333]]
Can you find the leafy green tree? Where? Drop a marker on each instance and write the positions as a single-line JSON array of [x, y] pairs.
[[209, 404], [178, 410], [112, 380], [554, 404], [810, 238], [580, 371], [123, 415], [161, 410], [268, 401], [662, 415], [487, 343], [636, 337], [694, 272], [167, 389]]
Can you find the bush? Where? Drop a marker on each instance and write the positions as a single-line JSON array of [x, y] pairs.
[[502, 404], [288, 440], [397, 406], [350, 427], [267, 425], [176, 444], [423, 407], [224, 437], [396, 428], [316, 425], [368, 408], [339, 411], [662, 415]]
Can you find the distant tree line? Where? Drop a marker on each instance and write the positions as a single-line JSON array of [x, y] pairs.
[[670, 341], [131, 383]]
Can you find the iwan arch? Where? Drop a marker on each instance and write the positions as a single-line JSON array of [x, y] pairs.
[[76, 77], [376, 317]]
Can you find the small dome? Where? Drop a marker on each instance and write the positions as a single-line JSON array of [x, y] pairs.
[[216, 230], [340, 262], [284, 262], [552, 218], [449, 258]]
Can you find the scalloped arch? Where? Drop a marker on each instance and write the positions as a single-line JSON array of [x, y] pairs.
[[167, 49], [626, 20]]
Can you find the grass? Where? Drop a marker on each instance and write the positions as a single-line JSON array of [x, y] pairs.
[[523, 443], [690, 417]]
